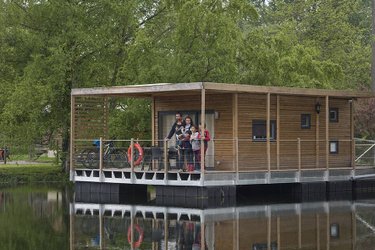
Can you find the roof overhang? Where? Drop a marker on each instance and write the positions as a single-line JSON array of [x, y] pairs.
[[148, 90]]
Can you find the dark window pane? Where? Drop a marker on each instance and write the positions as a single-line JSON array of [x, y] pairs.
[[260, 132], [305, 121], [333, 114]]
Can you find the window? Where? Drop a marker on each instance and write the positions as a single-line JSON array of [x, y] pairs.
[[260, 132], [305, 121], [333, 114], [334, 231], [334, 147]]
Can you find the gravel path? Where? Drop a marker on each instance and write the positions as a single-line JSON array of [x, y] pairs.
[[24, 163]]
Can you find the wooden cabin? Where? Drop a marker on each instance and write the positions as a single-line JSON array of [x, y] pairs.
[[259, 134]]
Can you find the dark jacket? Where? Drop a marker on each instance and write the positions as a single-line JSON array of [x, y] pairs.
[[175, 129]]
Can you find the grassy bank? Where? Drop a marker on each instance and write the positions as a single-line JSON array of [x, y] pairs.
[[32, 173]]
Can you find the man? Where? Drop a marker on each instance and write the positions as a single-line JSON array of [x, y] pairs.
[[177, 129]]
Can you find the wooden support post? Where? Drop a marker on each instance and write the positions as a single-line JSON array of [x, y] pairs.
[[299, 157], [165, 159], [237, 159], [327, 132], [317, 142], [268, 128], [235, 131], [72, 132], [101, 156], [105, 117], [352, 141], [278, 131], [132, 159], [203, 122], [153, 121]]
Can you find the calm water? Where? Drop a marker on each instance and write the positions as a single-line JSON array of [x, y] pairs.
[[44, 217]]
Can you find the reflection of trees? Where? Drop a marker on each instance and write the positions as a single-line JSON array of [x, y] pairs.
[[365, 236], [30, 221]]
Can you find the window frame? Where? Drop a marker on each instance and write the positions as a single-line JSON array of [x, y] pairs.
[[273, 130], [337, 147], [306, 126], [336, 118]]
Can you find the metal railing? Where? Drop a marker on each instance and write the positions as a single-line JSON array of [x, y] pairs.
[[223, 155], [365, 152]]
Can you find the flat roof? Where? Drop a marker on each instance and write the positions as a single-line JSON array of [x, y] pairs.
[[148, 90]]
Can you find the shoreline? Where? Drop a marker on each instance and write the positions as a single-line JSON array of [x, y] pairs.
[[32, 173]]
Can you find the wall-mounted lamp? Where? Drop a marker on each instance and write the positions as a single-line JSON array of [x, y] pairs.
[[217, 115], [318, 107]]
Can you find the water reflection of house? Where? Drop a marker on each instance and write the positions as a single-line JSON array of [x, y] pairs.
[[319, 225]]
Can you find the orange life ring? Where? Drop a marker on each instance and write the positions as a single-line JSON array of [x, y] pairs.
[[140, 154], [137, 243]]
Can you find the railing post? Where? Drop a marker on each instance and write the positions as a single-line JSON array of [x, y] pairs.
[[353, 154], [101, 158], [132, 159], [299, 157], [165, 160], [237, 167]]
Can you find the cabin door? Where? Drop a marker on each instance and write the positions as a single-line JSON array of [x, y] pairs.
[[166, 120]]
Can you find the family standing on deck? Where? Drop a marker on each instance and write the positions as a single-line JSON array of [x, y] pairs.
[[188, 142]]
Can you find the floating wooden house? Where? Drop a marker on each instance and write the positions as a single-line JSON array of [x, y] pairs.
[[259, 135]]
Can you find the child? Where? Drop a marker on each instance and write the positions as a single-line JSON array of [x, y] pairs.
[[196, 146], [206, 138]]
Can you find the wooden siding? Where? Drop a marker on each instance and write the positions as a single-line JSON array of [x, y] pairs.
[[253, 154]]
